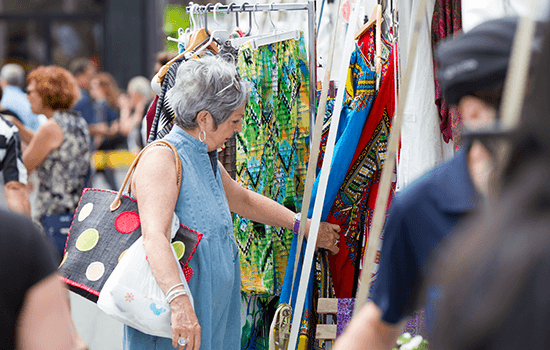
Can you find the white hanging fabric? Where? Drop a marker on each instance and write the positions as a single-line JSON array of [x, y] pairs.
[[475, 12], [422, 145]]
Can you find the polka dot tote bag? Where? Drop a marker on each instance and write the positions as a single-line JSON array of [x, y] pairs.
[[105, 225]]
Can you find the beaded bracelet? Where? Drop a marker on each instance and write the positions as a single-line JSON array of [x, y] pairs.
[[173, 295]]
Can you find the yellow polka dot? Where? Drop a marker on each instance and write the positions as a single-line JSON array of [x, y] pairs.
[[121, 255], [63, 260], [87, 240], [179, 248], [95, 271], [85, 211]]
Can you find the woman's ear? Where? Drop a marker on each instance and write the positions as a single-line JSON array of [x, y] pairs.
[[203, 119]]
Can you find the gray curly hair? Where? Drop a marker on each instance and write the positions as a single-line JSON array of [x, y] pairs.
[[206, 84]]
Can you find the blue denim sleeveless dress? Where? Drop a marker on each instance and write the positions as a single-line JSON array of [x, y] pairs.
[[216, 282]]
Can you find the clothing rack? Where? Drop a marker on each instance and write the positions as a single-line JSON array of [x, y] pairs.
[[312, 34]]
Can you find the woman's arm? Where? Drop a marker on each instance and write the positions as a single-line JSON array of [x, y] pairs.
[[256, 207], [155, 189], [25, 133], [46, 139], [45, 321]]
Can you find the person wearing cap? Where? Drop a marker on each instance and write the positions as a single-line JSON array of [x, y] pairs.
[[472, 72]]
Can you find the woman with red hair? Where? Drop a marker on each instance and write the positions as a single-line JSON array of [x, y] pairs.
[[59, 151]]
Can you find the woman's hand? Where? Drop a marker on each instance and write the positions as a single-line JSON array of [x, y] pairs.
[[328, 236], [185, 324]]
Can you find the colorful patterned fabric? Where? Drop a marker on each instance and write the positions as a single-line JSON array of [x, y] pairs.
[[257, 313], [417, 325], [323, 288], [359, 95], [305, 327], [446, 21], [345, 313], [271, 154], [367, 42], [353, 207]]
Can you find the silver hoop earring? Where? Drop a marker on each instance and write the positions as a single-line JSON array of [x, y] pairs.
[[201, 137]]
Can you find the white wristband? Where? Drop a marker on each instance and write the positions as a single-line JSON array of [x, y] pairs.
[[173, 295]]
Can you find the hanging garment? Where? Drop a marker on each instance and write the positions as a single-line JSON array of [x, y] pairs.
[[446, 22], [353, 207], [257, 313], [322, 288], [367, 42], [422, 145], [360, 92], [271, 154], [305, 325], [164, 114]]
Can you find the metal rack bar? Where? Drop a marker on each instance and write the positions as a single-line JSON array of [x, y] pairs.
[[312, 36], [251, 7]]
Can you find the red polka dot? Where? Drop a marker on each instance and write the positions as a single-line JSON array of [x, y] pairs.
[[127, 222]]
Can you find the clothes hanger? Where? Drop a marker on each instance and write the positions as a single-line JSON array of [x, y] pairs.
[[221, 34], [376, 14], [275, 36], [246, 38], [198, 38]]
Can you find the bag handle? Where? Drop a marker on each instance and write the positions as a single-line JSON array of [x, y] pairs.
[[116, 202]]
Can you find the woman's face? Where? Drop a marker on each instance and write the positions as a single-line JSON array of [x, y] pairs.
[[216, 139], [36, 101], [96, 91]]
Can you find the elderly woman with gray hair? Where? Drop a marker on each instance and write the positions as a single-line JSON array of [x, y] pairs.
[[209, 101]]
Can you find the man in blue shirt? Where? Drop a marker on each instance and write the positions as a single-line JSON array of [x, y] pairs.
[[12, 81], [83, 71], [472, 70]]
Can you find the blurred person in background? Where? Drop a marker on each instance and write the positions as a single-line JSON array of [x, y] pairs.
[[163, 57], [133, 107], [472, 70], [490, 285], [105, 92], [12, 81], [59, 151], [84, 70], [33, 312], [13, 169]]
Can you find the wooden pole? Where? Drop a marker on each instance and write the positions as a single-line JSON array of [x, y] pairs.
[[387, 172]]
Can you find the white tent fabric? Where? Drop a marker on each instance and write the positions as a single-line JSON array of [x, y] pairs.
[[475, 12], [422, 145]]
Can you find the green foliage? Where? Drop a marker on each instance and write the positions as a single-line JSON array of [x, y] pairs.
[[174, 18]]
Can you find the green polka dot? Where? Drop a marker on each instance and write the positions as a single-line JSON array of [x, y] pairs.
[[87, 240], [179, 248]]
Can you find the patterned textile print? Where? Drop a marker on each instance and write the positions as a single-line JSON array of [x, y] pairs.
[[62, 174], [417, 325], [354, 204], [271, 155], [164, 114], [350, 206], [457, 127], [329, 109], [345, 313], [446, 21], [258, 314], [368, 47], [323, 289]]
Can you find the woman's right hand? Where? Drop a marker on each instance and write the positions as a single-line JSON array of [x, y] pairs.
[[185, 324]]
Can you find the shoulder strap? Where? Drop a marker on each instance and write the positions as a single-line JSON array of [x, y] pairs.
[[116, 202]]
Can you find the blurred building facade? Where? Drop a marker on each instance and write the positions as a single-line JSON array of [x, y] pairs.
[[121, 36]]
